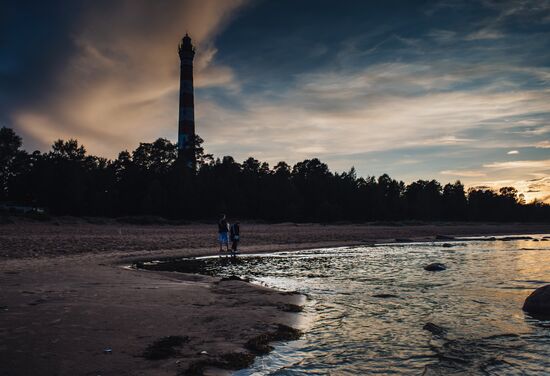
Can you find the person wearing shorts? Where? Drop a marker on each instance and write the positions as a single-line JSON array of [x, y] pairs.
[[222, 233]]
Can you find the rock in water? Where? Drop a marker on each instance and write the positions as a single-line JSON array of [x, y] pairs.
[[384, 296], [435, 329], [538, 303], [435, 267]]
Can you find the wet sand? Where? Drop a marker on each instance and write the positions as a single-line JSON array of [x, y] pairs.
[[65, 297]]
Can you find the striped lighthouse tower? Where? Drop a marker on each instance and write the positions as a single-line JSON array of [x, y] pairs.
[[186, 125]]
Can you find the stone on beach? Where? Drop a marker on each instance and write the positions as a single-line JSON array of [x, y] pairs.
[[435, 267], [538, 303]]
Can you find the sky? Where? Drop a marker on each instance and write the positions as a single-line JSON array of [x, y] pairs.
[[447, 90]]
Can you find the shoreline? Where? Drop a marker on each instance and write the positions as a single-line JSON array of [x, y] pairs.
[[61, 309], [62, 318]]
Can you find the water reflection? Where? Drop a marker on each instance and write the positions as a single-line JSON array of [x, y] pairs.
[[371, 304]]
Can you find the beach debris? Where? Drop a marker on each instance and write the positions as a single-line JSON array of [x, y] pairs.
[[435, 267], [434, 329], [384, 296], [164, 347], [447, 245], [107, 350], [538, 303]]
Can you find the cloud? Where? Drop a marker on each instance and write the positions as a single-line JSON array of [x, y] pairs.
[[539, 164], [513, 152], [484, 34], [382, 107], [120, 86], [466, 173]]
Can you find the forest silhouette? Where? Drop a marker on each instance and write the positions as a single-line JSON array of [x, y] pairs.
[[152, 181]]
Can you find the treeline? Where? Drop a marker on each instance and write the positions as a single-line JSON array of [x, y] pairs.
[[152, 181]]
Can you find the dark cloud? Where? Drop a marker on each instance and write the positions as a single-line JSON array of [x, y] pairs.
[[35, 43]]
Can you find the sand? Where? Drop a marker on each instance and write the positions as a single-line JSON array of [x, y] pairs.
[[66, 296]]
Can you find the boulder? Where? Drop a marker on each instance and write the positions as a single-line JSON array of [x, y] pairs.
[[435, 329], [435, 267], [538, 303]]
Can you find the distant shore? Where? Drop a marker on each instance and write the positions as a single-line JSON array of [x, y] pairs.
[[69, 307]]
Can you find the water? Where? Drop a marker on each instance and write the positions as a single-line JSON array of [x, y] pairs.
[[476, 302]]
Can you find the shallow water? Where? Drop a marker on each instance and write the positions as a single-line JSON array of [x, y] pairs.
[[475, 305]]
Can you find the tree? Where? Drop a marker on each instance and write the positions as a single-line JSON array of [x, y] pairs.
[[454, 202], [67, 150], [9, 154], [152, 180]]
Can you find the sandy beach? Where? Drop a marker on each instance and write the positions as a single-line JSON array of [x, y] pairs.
[[69, 307]]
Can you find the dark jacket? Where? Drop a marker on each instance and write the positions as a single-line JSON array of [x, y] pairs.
[[235, 231]]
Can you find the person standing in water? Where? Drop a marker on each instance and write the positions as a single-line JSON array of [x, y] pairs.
[[234, 232], [222, 233]]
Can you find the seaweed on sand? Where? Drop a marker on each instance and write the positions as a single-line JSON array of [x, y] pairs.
[[230, 361], [164, 347], [291, 308], [260, 344]]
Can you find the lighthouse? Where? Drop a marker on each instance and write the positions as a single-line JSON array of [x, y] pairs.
[[186, 124]]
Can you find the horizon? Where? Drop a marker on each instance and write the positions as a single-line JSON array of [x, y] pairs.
[[443, 90]]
